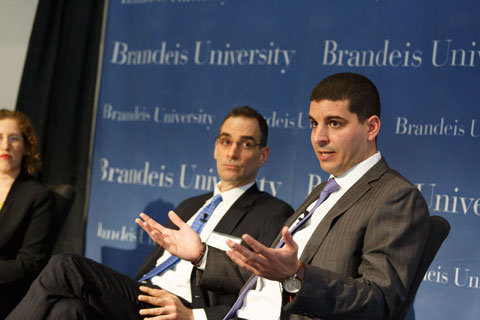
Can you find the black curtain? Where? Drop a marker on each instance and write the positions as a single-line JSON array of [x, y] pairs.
[[57, 93]]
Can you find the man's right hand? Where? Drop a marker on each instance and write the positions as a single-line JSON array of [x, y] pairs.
[[167, 305], [184, 243]]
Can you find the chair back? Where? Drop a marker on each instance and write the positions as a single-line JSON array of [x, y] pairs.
[[439, 229], [63, 196]]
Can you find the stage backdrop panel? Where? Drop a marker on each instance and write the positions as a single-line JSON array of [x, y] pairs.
[[171, 70]]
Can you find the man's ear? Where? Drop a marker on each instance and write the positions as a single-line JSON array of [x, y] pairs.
[[373, 127], [264, 155]]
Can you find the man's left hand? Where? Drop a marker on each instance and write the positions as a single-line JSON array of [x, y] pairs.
[[269, 263], [168, 306]]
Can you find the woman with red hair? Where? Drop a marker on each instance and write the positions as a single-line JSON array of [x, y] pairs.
[[25, 210]]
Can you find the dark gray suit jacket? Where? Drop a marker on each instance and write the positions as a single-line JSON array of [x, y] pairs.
[[362, 257], [256, 213]]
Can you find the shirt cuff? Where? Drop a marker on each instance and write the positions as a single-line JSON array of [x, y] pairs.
[[199, 314]]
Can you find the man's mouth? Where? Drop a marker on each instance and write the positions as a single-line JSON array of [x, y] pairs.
[[325, 152], [324, 155]]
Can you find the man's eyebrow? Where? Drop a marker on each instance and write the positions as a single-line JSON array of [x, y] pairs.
[[329, 118], [224, 134], [247, 138]]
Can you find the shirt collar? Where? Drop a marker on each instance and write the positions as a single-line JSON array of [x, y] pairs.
[[348, 179], [232, 195]]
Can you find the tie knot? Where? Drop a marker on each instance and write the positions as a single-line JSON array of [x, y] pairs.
[[331, 186], [216, 200]]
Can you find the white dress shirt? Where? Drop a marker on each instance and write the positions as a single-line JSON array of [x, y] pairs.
[[265, 302]]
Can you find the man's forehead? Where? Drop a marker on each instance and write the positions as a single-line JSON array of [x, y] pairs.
[[247, 127], [329, 108]]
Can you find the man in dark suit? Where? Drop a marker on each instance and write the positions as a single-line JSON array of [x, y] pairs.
[[77, 288], [353, 246]]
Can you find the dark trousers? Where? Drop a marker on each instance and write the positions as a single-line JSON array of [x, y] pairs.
[[74, 287], [10, 295]]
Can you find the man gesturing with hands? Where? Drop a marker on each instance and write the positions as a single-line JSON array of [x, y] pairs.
[[73, 287], [351, 249]]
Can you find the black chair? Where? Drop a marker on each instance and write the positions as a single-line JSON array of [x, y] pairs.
[[439, 229], [63, 196]]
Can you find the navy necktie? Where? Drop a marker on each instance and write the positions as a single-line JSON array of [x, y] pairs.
[[197, 225], [330, 186]]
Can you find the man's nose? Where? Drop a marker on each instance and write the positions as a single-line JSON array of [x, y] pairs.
[[320, 135], [234, 150]]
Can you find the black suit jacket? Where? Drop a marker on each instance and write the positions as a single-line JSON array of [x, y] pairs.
[[256, 213], [362, 257], [25, 220]]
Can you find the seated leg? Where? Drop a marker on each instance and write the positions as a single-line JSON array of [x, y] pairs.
[[111, 294], [74, 309]]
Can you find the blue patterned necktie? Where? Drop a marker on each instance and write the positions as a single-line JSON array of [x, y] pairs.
[[330, 186], [197, 225]]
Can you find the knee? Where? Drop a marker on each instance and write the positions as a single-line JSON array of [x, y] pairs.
[[61, 259], [57, 266], [72, 308]]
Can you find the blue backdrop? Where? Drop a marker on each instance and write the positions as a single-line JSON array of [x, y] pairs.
[[172, 69]]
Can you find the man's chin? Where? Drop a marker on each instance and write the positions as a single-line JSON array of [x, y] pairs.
[[229, 178], [327, 167]]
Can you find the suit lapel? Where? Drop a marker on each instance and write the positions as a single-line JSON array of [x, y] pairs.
[[10, 215], [352, 196], [237, 211], [191, 208], [301, 210]]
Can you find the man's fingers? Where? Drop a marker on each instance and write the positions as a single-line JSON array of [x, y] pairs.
[[155, 297], [148, 224], [151, 291], [152, 223], [145, 289], [142, 223], [254, 244], [176, 219], [288, 239], [152, 311], [154, 301], [241, 261], [245, 258], [154, 229], [240, 250]]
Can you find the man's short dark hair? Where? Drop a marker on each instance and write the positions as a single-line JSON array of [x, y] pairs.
[[248, 112], [362, 93]]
